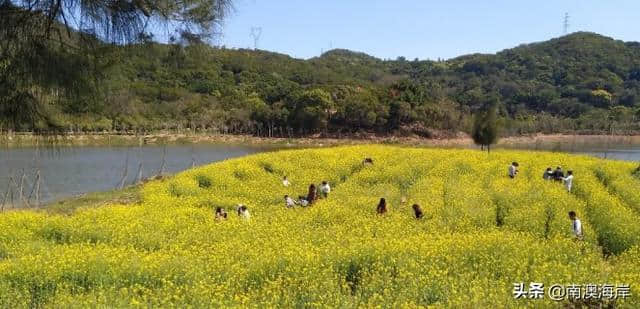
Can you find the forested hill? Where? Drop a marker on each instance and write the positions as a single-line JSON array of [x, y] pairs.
[[582, 81]]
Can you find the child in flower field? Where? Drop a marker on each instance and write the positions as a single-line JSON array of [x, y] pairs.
[[576, 225], [303, 201], [513, 169], [382, 207], [367, 161], [220, 213], [325, 189], [289, 202], [548, 174], [285, 181], [417, 211], [312, 196], [243, 212], [568, 181]]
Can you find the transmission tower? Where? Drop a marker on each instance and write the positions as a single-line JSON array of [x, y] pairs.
[[330, 48], [566, 23], [256, 32]]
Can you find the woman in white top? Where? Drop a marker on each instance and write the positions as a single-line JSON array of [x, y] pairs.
[[243, 212], [325, 189], [568, 181], [576, 225], [513, 169], [289, 202]]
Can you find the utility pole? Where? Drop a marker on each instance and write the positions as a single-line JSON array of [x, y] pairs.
[[566, 23], [330, 48], [256, 32]]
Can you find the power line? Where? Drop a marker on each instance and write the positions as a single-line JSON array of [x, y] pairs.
[[330, 48], [566, 23], [256, 32]]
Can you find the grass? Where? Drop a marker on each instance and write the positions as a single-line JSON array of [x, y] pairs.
[[127, 196]]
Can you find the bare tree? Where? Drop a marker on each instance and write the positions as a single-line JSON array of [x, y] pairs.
[[140, 177], [125, 174], [6, 195], [164, 161]]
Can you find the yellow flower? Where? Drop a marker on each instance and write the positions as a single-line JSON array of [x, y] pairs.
[[481, 232]]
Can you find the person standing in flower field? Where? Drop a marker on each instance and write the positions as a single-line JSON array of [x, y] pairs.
[[312, 196], [548, 174], [513, 169], [289, 202], [382, 207], [568, 181], [576, 225], [417, 211], [325, 189], [558, 174], [285, 181]]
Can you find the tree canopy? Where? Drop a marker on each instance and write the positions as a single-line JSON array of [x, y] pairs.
[[581, 81], [485, 124], [53, 51]]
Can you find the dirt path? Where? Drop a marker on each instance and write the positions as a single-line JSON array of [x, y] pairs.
[[459, 140]]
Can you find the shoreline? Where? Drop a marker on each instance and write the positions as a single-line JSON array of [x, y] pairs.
[[18, 140], [130, 194]]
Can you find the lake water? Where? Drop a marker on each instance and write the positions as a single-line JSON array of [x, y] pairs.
[[71, 171], [627, 151]]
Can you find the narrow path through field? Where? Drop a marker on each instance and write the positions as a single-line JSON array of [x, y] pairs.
[[615, 223]]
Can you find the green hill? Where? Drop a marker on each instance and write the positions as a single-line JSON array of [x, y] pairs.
[[579, 82]]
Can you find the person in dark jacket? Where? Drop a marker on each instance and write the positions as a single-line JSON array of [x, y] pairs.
[[382, 207], [417, 211], [312, 196], [558, 174]]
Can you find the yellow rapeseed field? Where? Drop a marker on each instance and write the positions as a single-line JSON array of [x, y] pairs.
[[481, 233]]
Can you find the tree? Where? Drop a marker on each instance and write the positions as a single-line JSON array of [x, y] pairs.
[[360, 109], [600, 98], [55, 49], [315, 108], [485, 125]]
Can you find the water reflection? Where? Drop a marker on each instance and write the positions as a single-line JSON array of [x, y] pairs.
[[69, 171]]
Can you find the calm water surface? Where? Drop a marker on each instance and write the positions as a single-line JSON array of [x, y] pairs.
[[72, 171]]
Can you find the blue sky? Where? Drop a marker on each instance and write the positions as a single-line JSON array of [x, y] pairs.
[[420, 29]]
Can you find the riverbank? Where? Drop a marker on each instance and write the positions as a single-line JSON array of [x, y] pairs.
[[459, 140], [66, 206], [95, 197]]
